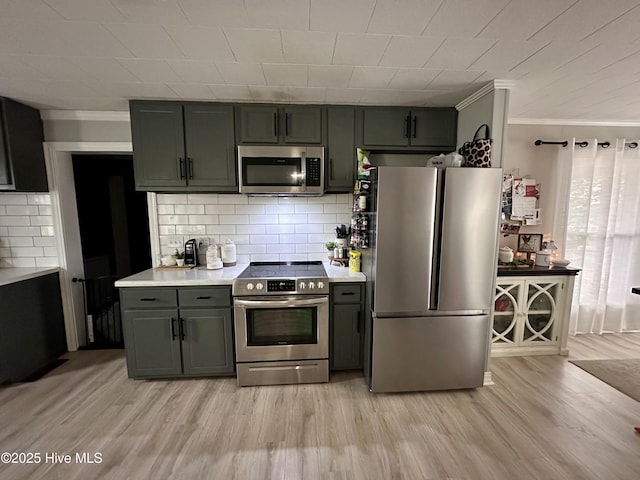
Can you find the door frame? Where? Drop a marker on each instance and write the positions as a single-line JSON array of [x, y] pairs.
[[64, 209]]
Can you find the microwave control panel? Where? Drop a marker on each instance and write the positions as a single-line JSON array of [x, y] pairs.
[[313, 172]]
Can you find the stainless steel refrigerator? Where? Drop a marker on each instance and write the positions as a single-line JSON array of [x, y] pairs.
[[431, 272]]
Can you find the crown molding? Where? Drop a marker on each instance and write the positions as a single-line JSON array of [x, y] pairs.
[[488, 88], [85, 115], [571, 122]]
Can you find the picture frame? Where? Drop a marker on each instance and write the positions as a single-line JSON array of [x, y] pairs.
[[529, 242]]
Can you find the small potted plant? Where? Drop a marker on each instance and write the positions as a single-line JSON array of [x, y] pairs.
[[330, 247], [179, 258]]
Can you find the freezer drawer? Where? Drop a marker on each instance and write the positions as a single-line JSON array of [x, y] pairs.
[[429, 353]]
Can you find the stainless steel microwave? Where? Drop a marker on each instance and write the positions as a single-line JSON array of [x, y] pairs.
[[281, 170]]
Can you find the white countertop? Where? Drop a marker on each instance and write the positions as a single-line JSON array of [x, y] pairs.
[[224, 276], [17, 274]]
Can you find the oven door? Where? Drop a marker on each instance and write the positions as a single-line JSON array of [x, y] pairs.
[[281, 328]]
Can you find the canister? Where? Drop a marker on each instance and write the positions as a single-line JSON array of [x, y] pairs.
[[543, 258], [354, 261]]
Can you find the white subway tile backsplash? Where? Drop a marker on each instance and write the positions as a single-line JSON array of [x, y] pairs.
[[39, 199], [221, 229], [47, 262], [14, 221], [256, 239], [46, 231], [19, 262], [50, 252], [3, 210], [41, 220], [251, 229], [310, 228], [22, 210], [20, 241], [44, 210], [5, 252], [202, 198], [250, 209], [13, 199], [233, 199], [44, 241], [292, 218], [27, 252], [280, 228], [189, 209], [306, 208], [234, 219], [263, 228], [263, 219], [4, 231], [25, 231]]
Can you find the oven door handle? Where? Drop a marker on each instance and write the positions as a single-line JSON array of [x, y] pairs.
[[282, 303]]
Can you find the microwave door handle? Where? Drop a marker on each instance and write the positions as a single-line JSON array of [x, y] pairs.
[[281, 303], [303, 170]]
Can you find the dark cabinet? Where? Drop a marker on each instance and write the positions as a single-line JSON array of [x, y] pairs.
[[416, 128], [194, 338], [188, 146], [341, 149], [32, 324], [346, 326], [261, 124], [22, 165]]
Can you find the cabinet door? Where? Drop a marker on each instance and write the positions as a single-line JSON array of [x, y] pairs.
[[506, 312], [346, 337], [341, 149], [541, 311], [152, 343], [257, 124], [385, 127], [302, 125], [210, 147], [433, 127], [207, 345], [157, 134]]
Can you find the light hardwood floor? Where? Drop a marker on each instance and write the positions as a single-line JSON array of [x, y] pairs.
[[543, 419]]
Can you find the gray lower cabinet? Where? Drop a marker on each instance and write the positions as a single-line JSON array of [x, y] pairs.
[[260, 124], [346, 326], [183, 147], [341, 149], [171, 332]]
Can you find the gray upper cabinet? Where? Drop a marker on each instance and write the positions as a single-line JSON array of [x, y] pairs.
[[264, 124], [22, 166], [180, 146], [431, 129], [341, 149]]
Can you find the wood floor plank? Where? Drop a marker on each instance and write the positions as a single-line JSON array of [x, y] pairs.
[[543, 418]]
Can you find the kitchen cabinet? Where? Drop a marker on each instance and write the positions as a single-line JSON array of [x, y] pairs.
[[22, 165], [173, 332], [428, 129], [346, 326], [531, 315], [183, 146], [260, 124], [32, 324], [341, 149]]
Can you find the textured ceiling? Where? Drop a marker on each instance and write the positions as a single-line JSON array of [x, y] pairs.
[[569, 59]]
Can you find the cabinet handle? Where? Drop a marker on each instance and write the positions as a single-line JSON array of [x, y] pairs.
[[190, 167], [204, 298], [330, 168], [173, 328], [407, 126], [415, 124], [182, 334], [181, 168], [286, 124], [275, 124], [148, 299], [348, 293]]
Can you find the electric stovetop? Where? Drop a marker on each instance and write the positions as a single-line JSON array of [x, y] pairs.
[[267, 270], [278, 278]]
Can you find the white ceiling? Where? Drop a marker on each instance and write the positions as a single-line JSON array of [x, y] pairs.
[[570, 59]]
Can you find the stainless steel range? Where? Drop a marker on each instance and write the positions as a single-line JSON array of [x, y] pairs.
[[281, 312]]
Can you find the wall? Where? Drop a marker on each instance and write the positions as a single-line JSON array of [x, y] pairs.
[[540, 162], [263, 228], [26, 232], [71, 126]]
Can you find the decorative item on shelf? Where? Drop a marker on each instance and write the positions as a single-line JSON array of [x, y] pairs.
[[505, 255], [179, 258], [529, 243], [330, 246]]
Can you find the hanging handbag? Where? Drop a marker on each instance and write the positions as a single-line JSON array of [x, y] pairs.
[[477, 153]]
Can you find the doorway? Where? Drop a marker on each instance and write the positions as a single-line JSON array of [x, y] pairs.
[[114, 234]]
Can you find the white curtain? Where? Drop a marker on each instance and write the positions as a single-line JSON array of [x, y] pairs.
[[598, 214]]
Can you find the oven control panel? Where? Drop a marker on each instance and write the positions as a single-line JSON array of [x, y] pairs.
[[281, 286]]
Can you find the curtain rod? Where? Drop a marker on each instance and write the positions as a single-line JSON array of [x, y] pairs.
[[582, 144]]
